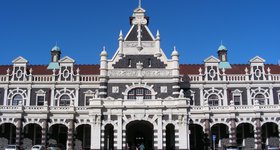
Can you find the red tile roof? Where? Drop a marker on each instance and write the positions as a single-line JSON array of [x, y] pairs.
[[185, 69]]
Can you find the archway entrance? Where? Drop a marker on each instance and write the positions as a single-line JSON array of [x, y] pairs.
[[7, 134], [140, 132], [196, 137], [58, 134]]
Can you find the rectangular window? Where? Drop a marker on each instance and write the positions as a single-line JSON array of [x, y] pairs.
[[87, 99], [40, 100], [236, 99]]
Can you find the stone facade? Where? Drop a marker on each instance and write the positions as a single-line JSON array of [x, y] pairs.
[[140, 96]]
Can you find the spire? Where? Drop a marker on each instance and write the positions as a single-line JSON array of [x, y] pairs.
[[121, 35], [140, 4], [158, 35]]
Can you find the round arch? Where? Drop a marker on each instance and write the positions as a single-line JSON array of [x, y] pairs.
[[221, 131], [245, 134], [196, 136], [270, 134], [32, 132], [140, 132], [57, 134], [8, 132], [82, 136]]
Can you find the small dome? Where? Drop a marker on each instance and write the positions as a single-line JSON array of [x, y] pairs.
[[222, 47], [175, 52], [103, 53], [55, 48]]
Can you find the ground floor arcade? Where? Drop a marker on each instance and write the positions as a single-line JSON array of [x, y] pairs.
[[132, 133]]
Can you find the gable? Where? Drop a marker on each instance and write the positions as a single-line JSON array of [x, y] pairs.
[[257, 59], [66, 59], [20, 60], [132, 35], [211, 59]]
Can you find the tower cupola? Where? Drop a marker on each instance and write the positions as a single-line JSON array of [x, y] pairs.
[[55, 57], [222, 55]]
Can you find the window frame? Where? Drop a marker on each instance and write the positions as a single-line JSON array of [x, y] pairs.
[[139, 93], [212, 100], [64, 100], [17, 101]]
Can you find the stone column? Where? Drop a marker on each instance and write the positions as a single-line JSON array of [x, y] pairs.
[[257, 134], [76, 102], [207, 130], [271, 100], [232, 132], [225, 98], [52, 96], [201, 96], [183, 136], [119, 133], [44, 132], [18, 131], [159, 135], [5, 97], [70, 134], [95, 143], [27, 103], [249, 100]]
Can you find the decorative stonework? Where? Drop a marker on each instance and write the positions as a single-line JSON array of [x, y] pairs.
[[134, 73]]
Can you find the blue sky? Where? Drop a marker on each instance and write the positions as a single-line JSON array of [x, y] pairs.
[[30, 28]]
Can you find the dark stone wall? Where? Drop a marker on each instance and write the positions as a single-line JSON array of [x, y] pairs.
[[82, 91], [275, 95], [2, 92], [33, 95], [145, 59], [244, 95]]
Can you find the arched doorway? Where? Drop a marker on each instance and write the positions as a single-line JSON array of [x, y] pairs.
[[170, 137], [109, 137], [138, 132], [83, 136], [58, 134], [270, 134], [196, 137], [7, 134], [245, 135], [33, 134], [221, 132]]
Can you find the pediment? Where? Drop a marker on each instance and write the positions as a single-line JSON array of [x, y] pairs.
[[19, 60], [211, 59], [257, 59], [139, 9], [66, 59]]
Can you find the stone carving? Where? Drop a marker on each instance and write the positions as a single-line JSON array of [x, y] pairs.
[[181, 94], [96, 94], [115, 89], [132, 73]]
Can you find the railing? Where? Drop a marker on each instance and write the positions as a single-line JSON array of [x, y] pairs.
[[89, 78], [275, 77], [35, 108], [10, 107], [235, 77], [42, 78]]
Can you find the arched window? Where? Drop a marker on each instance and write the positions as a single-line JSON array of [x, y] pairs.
[[139, 93], [213, 100], [261, 99], [17, 99], [64, 100]]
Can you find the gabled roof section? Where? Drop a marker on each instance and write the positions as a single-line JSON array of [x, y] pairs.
[[66, 59], [211, 59], [19, 60], [257, 59], [133, 33]]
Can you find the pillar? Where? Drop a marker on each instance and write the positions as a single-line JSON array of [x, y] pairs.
[[207, 132], [76, 102], [44, 132], [159, 133], [119, 133], [5, 97], [249, 100], [271, 100], [52, 96], [18, 131], [201, 96], [232, 132], [183, 133], [70, 134], [257, 134], [27, 103], [225, 98], [95, 136]]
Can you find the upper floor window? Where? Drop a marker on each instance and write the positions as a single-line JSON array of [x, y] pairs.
[[17, 99], [261, 99], [139, 93], [237, 97], [213, 100], [40, 97], [64, 100]]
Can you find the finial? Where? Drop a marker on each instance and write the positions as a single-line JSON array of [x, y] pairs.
[[268, 70], [104, 48], [174, 49], [121, 35], [140, 3], [221, 42], [158, 35], [246, 70]]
